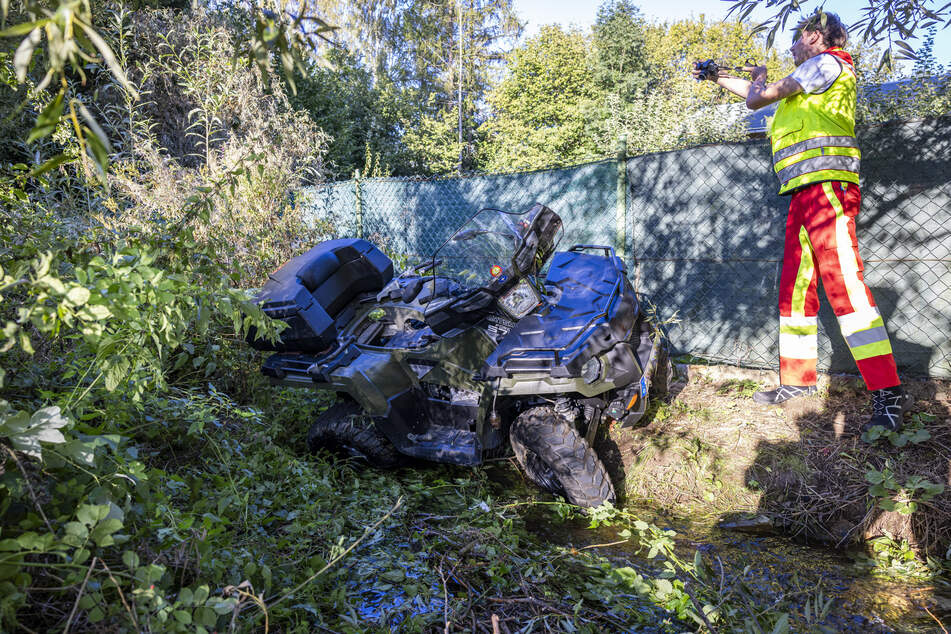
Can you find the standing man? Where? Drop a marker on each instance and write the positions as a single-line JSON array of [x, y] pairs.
[[816, 158]]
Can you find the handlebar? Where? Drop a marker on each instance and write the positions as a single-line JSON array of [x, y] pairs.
[[608, 251]]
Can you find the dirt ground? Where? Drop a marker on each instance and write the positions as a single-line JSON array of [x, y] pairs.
[[711, 454]]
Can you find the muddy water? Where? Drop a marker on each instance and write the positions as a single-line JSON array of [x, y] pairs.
[[776, 571], [773, 567]]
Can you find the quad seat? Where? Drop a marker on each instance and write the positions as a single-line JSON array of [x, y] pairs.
[[310, 291]]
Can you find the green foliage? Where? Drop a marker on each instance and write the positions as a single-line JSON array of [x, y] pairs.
[[73, 45], [434, 142], [741, 387], [895, 559], [568, 97], [130, 315], [536, 108], [230, 166], [923, 92], [25, 431], [122, 324], [620, 62], [678, 111], [359, 114], [419, 54], [891, 21], [905, 498], [99, 319], [913, 433]]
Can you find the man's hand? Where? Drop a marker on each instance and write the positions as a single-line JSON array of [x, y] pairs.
[[757, 73], [706, 70], [696, 74]]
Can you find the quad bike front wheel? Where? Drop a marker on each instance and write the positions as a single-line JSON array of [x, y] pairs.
[[556, 458], [344, 428]]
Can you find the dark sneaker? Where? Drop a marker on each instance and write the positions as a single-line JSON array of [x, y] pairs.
[[888, 407], [783, 393]]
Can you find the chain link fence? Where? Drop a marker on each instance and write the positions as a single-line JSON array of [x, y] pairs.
[[414, 216], [701, 230]]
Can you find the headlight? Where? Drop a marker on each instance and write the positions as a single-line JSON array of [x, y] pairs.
[[520, 301], [591, 371]]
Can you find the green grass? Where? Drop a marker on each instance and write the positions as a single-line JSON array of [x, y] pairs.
[[744, 388]]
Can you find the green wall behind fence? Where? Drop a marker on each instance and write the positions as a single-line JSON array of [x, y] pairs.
[[702, 232]]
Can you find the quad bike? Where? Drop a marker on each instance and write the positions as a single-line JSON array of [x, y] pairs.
[[471, 352]]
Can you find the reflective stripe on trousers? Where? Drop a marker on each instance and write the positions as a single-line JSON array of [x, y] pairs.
[[821, 241]]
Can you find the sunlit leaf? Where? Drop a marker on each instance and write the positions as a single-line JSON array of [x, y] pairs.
[[78, 295], [24, 53], [50, 164], [47, 120], [26, 432], [23, 29], [109, 57], [97, 150]]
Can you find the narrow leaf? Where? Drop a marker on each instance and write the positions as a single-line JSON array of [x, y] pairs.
[[93, 125], [47, 120], [782, 624], [24, 53], [97, 151], [52, 163], [109, 57], [23, 29], [904, 46]]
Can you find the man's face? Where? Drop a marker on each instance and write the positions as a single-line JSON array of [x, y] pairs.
[[805, 46]]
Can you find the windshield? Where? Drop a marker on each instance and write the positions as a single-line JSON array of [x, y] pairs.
[[480, 252]]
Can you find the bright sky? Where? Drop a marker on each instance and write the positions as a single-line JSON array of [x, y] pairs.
[[582, 13]]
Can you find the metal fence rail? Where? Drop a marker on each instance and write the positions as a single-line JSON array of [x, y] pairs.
[[702, 232]]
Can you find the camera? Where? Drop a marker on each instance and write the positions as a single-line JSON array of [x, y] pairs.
[[708, 70]]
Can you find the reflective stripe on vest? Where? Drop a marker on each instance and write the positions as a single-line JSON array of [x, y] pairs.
[[812, 135], [813, 144], [819, 163]]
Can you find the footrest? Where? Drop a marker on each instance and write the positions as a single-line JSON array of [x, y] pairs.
[[445, 444], [289, 368]]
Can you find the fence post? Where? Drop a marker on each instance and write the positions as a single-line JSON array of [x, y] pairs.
[[620, 213], [359, 195]]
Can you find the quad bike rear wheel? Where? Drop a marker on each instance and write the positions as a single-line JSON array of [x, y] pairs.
[[344, 428], [556, 458]]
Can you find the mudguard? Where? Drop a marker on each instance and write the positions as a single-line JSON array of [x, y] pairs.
[[593, 310]]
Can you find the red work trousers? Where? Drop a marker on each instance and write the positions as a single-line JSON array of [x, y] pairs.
[[821, 241]]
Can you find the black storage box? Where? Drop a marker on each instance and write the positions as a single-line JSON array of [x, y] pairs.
[[310, 291]]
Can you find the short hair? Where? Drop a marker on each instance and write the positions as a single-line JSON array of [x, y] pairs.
[[828, 24]]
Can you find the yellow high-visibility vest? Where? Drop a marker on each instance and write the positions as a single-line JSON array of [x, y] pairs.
[[813, 135]]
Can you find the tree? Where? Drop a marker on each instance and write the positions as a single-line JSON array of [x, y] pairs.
[[891, 21], [536, 110], [415, 46], [925, 92], [68, 36], [619, 62], [619, 66], [433, 142], [675, 111], [360, 115], [672, 48]]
